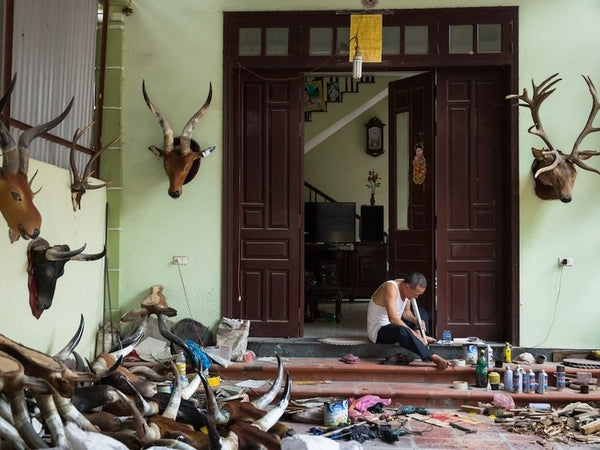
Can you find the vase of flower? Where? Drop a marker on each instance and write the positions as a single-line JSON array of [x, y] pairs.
[[373, 182]]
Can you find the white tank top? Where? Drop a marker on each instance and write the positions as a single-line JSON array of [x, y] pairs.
[[377, 316]]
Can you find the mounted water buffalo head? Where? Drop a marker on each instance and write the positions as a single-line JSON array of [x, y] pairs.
[[181, 155], [16, 196], [554, 171], [81, 183], [45, 266]]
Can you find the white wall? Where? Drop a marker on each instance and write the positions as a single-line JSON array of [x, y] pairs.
[[79, 290]]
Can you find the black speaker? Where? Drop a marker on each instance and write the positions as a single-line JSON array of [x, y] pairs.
[[371, 223]]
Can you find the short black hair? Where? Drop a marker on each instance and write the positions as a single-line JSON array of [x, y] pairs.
[[416, 279]]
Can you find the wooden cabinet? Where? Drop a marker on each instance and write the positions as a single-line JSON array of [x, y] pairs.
[[370, 268], [337, 271]]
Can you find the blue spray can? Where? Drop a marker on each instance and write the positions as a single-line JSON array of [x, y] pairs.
[[518, 380], [531, 381], [542, 382], [508, 379]]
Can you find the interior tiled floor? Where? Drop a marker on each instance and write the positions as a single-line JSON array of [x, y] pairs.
[[352, 325]]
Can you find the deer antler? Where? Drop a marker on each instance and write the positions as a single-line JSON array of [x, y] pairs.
[[540, 93], [80, 183], [576, 154]]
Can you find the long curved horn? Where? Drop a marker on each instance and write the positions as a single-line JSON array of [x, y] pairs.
[[22, 420], [267, 421], [186, 135], [164, 123], [215, 414], [134, 338], [172, 337], [54, 254], [7, 143], [68, 349], [172, 408], [89, 256], [10, 434], [34, 132], [6, 95], [263, 401], [52, 420]]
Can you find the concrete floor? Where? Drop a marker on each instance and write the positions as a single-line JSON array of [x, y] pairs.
[[488, 436]]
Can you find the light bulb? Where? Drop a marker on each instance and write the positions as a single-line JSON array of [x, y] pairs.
[[357, 64]]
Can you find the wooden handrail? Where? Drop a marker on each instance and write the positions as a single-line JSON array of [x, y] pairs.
[[315, 193]]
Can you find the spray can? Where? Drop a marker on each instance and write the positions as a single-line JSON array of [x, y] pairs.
[[561, 381], [490, 356], [518, 380], [507, 353], [530, 381], [542, 382], [508, 379]]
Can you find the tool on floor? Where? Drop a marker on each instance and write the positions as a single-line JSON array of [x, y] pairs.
[[409, 409], [461, 428]]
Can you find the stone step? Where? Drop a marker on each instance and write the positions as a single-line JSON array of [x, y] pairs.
[[418, 384]]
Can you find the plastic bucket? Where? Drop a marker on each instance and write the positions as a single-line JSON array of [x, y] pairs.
[[335, 413]]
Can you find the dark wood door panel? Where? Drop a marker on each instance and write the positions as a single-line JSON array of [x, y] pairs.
[[470, 236]]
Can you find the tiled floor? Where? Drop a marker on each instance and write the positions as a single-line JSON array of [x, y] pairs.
[[352, 325]]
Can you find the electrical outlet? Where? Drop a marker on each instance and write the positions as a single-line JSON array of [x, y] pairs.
[[179, 260], [565, 262]]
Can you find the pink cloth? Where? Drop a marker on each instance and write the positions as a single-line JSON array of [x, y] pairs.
[[366, 401]]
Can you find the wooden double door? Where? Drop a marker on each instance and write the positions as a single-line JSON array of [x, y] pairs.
[[452, 225]]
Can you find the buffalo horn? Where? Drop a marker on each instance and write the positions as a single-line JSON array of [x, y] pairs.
[[173, 338], [135, 337], [52, 420], [68, 349], [267, 421], [231, 442], [215, 414], [54, 254], [263, 401], [186, 135], [7, 143], [30, 134], [164, 123], [22, 420], [9, 433], [172, 408]]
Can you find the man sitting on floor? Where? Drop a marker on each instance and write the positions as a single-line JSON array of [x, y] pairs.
[[386, 324]]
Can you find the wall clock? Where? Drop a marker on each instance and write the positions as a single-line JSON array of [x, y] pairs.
[[374, 136], [369, 3]]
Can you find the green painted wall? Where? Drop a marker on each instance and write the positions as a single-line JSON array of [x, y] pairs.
[[177, 48]]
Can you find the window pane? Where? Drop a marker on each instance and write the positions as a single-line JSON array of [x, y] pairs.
[[461, 38], [391, 41], [489, 38], [249, 41], [321, 41], [343, 40], [416, 40], [277, 41]]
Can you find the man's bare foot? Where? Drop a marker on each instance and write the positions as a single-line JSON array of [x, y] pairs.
[[440, 362]]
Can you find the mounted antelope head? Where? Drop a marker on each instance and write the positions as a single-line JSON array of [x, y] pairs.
[[181, 155], [554, 171], [80, 183], [16, 196]]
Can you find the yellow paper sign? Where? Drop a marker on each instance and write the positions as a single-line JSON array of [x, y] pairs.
[[366, 31]]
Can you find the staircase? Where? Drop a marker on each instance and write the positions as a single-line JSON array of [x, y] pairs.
[[418, 384]]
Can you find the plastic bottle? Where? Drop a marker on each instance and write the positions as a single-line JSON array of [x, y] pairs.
[[481, 371], [507, 353], [518, 380], [561, 381], [508, 379], [181, 365]]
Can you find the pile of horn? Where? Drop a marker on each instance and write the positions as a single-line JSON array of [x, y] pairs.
[[45, 403]]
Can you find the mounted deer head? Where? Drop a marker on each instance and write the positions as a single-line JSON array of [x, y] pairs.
[[554, 171], [16, 196], [80, 182], [181, 155]]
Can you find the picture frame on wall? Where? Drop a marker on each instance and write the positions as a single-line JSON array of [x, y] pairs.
[[314, 99], [333, 91]]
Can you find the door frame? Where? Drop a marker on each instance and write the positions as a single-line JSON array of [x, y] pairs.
[[299, 59]]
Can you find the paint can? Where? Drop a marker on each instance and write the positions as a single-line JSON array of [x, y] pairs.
[[470, 354], [335, 413]]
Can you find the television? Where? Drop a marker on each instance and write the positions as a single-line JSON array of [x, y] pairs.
[[329, 222]]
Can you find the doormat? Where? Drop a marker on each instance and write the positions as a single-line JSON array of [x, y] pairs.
[[342, 341]]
